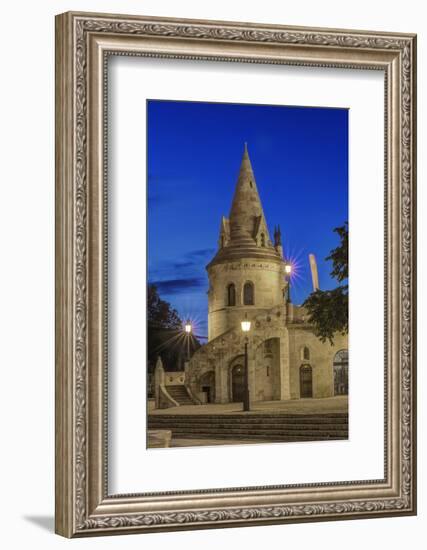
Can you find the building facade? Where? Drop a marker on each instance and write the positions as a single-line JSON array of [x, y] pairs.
[[248, 280]]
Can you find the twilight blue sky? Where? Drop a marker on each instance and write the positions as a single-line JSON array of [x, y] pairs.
[[300, 160]]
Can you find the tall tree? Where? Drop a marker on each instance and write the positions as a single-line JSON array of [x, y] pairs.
[[328, 309], [163, 327], [165, 336], [160, 312]]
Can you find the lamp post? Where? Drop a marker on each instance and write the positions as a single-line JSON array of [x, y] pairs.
[[246, 327], [288, 271], [188, 329]]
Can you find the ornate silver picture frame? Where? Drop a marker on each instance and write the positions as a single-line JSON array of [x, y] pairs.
[[84, 505]]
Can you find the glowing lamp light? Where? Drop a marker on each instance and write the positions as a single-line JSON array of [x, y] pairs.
[[246, 325], [288, 269], [187, 326]]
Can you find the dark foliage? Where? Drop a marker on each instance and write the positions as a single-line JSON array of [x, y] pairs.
[[328, 309], [165, 336], [339, 255], [160, 313]]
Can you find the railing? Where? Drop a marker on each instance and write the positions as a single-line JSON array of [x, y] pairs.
[[174, 378]]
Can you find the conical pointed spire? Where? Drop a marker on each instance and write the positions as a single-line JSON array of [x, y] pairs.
[[245, 233], [246, 209]]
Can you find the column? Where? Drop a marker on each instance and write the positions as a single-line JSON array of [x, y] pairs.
[[221, 382], [159, 380], [285, 368]]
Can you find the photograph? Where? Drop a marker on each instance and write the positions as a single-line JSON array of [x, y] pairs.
[[247, 274]]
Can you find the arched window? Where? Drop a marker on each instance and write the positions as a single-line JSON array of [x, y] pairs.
[[248, 294], [231, 295], [305, 353], [262, 239], [340, 366]]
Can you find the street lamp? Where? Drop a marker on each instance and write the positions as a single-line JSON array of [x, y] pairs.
[[288, 271], [188, 329], [246, 327]]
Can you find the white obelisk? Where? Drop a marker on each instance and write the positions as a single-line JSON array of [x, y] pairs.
[[314, 274]]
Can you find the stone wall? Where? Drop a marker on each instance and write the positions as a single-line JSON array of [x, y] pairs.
[[267, 371], [219, 355], [174, 378], [267, 278], [321, 357], [275, 355]]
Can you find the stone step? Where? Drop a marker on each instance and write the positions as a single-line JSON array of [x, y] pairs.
[[242, 419], [251, 417], [254, 426], [261, 434], [252, 414], [182, 401], [180, 395], [264, 427], [261, 438]]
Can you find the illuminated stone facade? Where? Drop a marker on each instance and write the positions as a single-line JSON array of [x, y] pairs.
[[247, 280]]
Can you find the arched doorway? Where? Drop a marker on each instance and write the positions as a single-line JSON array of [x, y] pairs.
[[340, 366], [306, 381], [237, 383], [207, 385]]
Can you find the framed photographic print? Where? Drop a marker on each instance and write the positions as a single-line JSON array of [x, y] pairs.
[[235, 274]]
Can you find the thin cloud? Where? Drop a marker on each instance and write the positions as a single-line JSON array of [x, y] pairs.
[[194, 259], [202, 253], [176, 286]]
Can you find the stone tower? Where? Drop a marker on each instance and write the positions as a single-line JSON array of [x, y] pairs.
[[247, 274]]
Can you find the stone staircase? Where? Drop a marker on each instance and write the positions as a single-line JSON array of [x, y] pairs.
[[180, 395], [254, 426]]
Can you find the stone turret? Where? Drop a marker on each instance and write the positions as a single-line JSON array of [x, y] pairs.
[[246, 275], [278, 240], [245, 232]]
